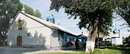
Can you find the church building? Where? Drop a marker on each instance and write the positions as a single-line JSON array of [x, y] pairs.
[[27, 30]]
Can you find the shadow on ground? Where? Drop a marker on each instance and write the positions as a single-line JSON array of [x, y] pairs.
[[10, 50]]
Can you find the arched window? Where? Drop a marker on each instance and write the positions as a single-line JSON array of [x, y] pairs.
[[20, 23]]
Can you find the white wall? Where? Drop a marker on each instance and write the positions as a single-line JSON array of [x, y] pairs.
[[117, 41], [55, 41], [39, 34]]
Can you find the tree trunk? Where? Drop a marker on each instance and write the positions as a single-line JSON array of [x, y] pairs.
[[90, 43]]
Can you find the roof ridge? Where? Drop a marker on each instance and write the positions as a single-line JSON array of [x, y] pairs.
[[48, 24]]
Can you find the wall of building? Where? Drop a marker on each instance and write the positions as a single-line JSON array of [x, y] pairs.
[[117, 41], [33, 33], [67, 37], [61, 38], [56, 40]]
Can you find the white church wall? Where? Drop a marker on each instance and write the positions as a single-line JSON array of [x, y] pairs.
[[116, 39], [55, 39], [36, 34], [60, 38], [39, 34], [38, 31], [13, 32]]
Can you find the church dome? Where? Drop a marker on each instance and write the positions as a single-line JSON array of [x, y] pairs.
[[49, 18], [23, 9]]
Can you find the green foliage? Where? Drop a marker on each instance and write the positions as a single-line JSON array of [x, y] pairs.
[[37, 14], [97, 51], [124, 12], [29, 10], [95, 15], [87, 5], [111, 51], [127, 39], [79, 52], [108, 39], [88, 11], [7, 12]]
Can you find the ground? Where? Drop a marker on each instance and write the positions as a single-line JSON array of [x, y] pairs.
[[103, 50], [10, 50], [18, 50]]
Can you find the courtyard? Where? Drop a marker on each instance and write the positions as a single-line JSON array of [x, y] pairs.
[[104, 49], [21, 50]]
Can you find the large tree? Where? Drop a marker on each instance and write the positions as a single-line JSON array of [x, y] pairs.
[[8, 11], [95, 15]]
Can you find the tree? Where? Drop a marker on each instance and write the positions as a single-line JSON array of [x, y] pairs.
[[29, 10], [127, 40], [8, 11], [95, 15], [124, 12], [37, 14]]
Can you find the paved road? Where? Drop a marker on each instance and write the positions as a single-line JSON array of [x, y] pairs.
[[10, 50], [49, 51]]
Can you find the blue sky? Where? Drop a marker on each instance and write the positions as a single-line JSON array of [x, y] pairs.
[[44, 6]]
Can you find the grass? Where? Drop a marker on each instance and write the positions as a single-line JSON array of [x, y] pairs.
[[111, 51], [106, 50], [78, 52], [116, 47]]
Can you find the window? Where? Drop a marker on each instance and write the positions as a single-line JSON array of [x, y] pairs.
[[64, 34], [58, 38], [20, 23], [28, 34], [65, 39]]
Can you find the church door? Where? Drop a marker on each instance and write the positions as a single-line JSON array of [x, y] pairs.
[[19, 41]]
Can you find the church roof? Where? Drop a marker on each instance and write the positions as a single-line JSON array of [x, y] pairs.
[[48, 24]]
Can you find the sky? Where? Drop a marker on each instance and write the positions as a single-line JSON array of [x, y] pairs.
[[44, 6]]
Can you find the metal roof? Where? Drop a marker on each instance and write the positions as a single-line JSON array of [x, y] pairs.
[[48, 24]]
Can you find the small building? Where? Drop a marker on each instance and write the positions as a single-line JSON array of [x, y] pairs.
[[27, 30], [116, 40], [83, 40]]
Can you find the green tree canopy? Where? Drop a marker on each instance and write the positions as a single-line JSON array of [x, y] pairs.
[[89, 10], [29, 10], [8, 9], [124, 12], [95, 15]]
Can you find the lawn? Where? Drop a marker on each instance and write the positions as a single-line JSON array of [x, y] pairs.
[[78, 52], [106, 50]]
